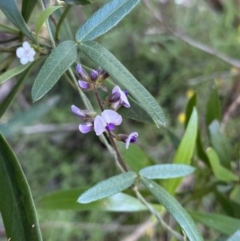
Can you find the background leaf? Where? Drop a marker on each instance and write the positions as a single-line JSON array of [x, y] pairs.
[[134, 157], [78, 2], [186, 149], [43, 17], [219, 171], [7, 29], [174, 207], [213, 111], [165, 171], [9, 99], [16, 203], [224, 224], [66, 200], [235, 194], [55, 65], [108, 187], [235, 236], [27, 8], [12, 72], [14, 125], [219, 143], [105, 19], [123, 77], [11, 11]]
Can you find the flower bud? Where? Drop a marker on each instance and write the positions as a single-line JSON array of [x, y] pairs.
[[84, 114], [81, 72], [84, 85], [94, 75], [102, 74]]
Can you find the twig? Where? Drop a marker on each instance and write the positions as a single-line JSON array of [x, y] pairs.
[[190, 41], [229, 112], [141, 230]]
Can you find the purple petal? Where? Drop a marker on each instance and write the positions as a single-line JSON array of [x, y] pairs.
[[131, 139], [85, 128], [99, 125], [116, 89], [94, 75], [124, 100], [111, 116], [77, 111], [82, 73], [110, 127], [84, 85]]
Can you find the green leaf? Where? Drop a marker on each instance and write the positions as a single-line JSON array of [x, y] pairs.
[[165, 171], [43, 17], [55, 65], [213, 111], [9, 99], [105, 19], [14, 125], [121, 75], [134, 157], [185, 150], [175, 208], [190, 106], [219, 171], [7, 29], [12, 72], [235, 236], [11, 11], [224, 224], [108, 187], [77, 2], [16, 203], [220, 144], [66, 200], [235, 194], [27, 8]]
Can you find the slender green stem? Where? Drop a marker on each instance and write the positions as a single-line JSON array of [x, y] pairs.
[[48, 27], [60, 22], [156, 214]]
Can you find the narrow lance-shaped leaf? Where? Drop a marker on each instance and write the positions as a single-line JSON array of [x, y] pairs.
[[43, 17], [16, 203], [27, 8], [12, 72], [235, 236], [222, 223], [105, 19], [11, 11], [165, 171], [77, 2], [56, 64], [186, 148], [175, 208], [9, 99], [66, 200], [108, 187], [121, 75], [219, 143], [219, 171]]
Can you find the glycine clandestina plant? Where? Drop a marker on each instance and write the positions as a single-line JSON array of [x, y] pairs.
[[59, 56]]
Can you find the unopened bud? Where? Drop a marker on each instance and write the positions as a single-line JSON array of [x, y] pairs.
[[82, 72], [94, 74], [84, 114], [84, 85]]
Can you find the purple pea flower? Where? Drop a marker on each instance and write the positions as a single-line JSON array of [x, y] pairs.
[[94, 75], [84, 114], [85, 128], [106, 121], [118, 98], [131, 138], [82, 72]]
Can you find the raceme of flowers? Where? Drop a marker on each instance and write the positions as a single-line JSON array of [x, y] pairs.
[[25, 53], [109, 118]]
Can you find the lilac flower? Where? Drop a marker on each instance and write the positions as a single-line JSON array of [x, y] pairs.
[[84, 85], [85, 128], [82, 72], [106, 121], [25, 53], [84, 114], [119, 98], [131, 138]]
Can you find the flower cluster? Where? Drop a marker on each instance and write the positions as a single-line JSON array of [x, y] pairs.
[[109, 118], [25, 53]]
